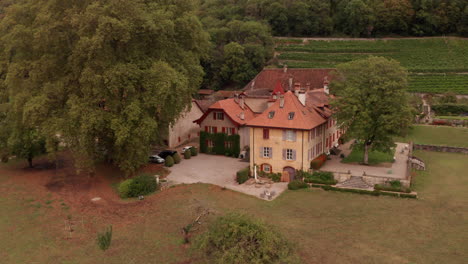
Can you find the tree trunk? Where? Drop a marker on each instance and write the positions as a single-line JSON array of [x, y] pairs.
[[30, 162], [366, 153]]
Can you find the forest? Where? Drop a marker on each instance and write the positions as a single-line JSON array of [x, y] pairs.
[[106, 77]]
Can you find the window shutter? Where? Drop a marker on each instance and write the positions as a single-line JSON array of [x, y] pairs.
[[222, 116], [214, 115], [271, 153], [294, 154], [284, 154], [284, 134], [224, 130], [206, 128], [294, 136], [233, 131], [215, 130], [261, 152]]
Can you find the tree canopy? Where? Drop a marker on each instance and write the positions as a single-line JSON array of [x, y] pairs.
[[371, 102], [99, 76]]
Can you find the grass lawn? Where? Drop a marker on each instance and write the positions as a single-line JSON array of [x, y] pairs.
[[437, 135], [324, 227], [375, 157]]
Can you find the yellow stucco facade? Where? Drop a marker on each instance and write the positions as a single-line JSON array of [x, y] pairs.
[[308, 145]]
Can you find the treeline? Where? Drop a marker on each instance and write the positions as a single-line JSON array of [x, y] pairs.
[[356, 18], [241, 30]]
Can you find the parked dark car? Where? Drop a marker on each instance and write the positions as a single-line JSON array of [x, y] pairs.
[[163, 154]]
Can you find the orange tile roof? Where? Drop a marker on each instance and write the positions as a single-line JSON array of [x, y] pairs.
[[305, 118], [205, 91], [232, 109], [268, 78]]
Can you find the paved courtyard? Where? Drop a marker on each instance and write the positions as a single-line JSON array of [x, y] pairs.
[[218, 170], [397, 169]]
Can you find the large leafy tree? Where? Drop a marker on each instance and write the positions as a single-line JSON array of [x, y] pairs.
[[371, 101], [101, 76]]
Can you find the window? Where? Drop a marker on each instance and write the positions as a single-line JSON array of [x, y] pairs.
[[228, 144], [289, 135], [209, 143], [291, 115], [212, 129], [231, 131], [266, 152], [289, 154], [271, 114], [266, 168], [266, 133], [220, 116]]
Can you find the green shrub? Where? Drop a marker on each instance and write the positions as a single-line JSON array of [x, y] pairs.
[[395, 184], [242, 175], [140, 185], [321, 177], [169, 161], [450, 109], [124, 188], [296, 185], [187, 154], [276, 177], [104, 239], [392, 188], [194, 151], [176, 158], [237, 238]]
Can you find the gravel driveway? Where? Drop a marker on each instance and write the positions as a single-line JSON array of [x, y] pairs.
[[218, 170]]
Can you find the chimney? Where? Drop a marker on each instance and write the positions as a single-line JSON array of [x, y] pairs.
[[297, 88], [242, 115], [285, 68], [325, 85], [236, 98], [308, 86], [302, 97], [281, 101], [241, 101], [290, 83]]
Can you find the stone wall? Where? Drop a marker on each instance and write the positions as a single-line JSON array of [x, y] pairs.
[[440, 148], [370, 179]]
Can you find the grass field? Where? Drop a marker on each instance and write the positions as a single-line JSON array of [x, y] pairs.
[[437, 135], [324, 227], [375, 157], [440, 59]]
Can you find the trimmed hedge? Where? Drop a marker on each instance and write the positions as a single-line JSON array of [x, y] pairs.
[[318, 162], [392, 189], [187, 154], [450, 109], [194, 151], [140, 185], [296, 185], [169, 162], [373, 193], [242, 175], [320, 177], [176, 158]]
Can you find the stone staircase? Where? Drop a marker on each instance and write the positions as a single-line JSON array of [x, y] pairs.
[[417, 163], [355, 182]]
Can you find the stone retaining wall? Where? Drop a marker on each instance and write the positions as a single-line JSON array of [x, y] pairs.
[[441, 148], [370, 179]]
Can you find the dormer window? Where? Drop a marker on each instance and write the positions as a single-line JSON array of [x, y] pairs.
[[218, 115], [291, 116], [271, 114]]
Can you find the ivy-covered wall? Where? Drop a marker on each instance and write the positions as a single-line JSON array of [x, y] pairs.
[[223, 144]]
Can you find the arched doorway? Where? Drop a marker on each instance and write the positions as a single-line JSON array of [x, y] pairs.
[[288, 174]]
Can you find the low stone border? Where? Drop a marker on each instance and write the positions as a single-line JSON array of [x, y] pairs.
[[440, 148], [413, 195]]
